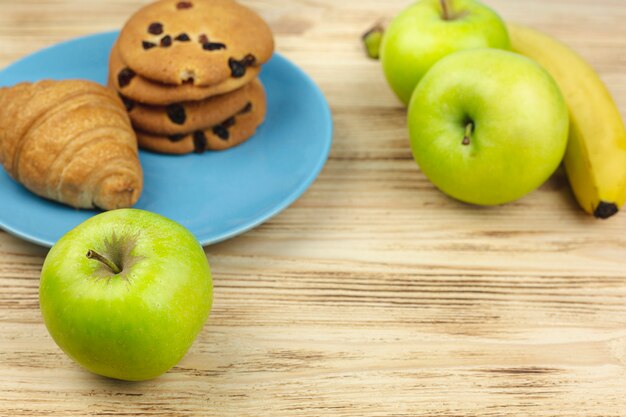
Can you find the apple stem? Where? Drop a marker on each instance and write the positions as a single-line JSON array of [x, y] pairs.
[[469, 128], [445, 9], [92, 254]]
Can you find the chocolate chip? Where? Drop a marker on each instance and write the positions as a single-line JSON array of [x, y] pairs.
[[184, 5], [148, 45], [183, 37], [221, 132], [155, 28], [128, 103], [230, 122], [125, 76], [249, 60], [213, 46], [176, 138], [247, 108], [199, 141], [203, 38], [176, 113], [237, 69], [166, 41]]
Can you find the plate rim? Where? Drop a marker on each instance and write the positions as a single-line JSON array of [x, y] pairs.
[[294, 195]]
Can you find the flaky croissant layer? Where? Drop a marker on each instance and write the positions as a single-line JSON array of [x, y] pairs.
[[70, 141]]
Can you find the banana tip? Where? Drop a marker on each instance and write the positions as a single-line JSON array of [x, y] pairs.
[[605, 210]]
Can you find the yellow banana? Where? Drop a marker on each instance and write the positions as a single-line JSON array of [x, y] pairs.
[[595, 160]]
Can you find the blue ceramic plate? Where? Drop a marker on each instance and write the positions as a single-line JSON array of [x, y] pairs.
[[216, 195]]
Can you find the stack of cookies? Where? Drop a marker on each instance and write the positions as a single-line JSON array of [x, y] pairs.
[[187, 72]]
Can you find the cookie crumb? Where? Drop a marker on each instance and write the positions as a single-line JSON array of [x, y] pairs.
[[188, 76]]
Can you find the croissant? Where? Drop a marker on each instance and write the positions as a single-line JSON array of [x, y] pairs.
[[70, 141]]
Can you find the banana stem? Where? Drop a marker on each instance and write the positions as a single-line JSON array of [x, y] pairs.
[[469, 128]]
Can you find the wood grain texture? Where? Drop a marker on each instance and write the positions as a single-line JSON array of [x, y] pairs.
[[374, 294]]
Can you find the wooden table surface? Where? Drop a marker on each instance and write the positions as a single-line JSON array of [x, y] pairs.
[[374, 294]]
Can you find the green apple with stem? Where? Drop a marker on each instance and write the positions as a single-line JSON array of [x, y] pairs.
[[487, 126], [126, 293], [428, 30]]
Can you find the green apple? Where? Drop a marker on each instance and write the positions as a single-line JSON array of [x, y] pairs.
[[126, 293], [428, 30], [487, 126]]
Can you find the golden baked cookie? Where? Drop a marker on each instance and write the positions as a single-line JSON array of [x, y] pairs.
[[193, 115], [201, 42], [70, 141], [227, 134], [143, 90]]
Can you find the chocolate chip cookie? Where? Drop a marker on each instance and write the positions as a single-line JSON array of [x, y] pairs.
[[193, 115], [228, 133], [199, 42], [142, 90]]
